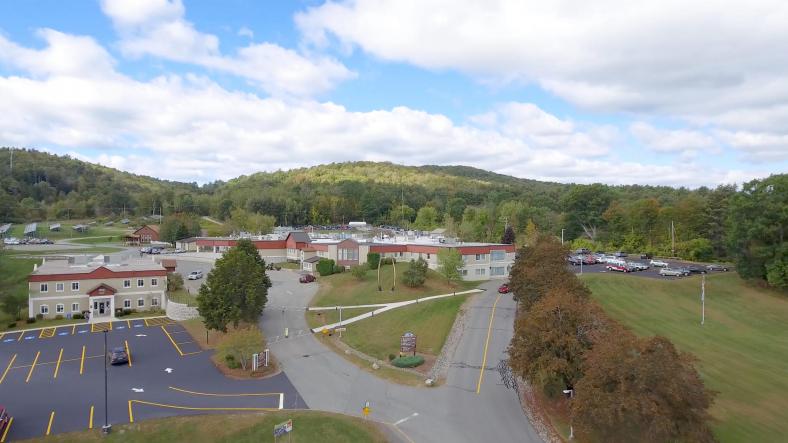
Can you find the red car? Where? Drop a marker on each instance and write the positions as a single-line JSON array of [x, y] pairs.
[[504, 289], [4, 420], [307, 278], [617, 268]]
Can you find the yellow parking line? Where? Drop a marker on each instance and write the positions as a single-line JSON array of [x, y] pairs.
[[259, 394], [191, 408], [33, 366], [128, 323], [8, 368], [82, 362], [90, 420], [146, 321], [131, 414], [22, 334], [172, 341], [2, 335], [59, 357], [51, 418], [486, 345], [7, 427], [128, 352], [73, 329]]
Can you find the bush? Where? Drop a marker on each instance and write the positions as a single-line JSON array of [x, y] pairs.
[[31, 320], [229, 359], [77, 316], [325, 267], [128, 311], [339, 269], [359, 271], [11, 325], [119, 312], [59, 317], [373, 259], [39, 316], [416, 274], [410, 361], [174, 281], [392, 357]]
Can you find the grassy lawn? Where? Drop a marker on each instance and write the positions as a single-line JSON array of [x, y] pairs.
[[97, 240], [320, 318], [181, 296], [431, 321], [67, 230], [13, 280], [344, 289], [288, 265], [742, 349], [308, 426], [86, 250], [22, 324]]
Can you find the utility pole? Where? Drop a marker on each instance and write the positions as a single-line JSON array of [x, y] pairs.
[[562, 236], [107, 427], [672, 238], [12, 160], [703, 299]]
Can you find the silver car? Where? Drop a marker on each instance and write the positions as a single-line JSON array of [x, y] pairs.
[[669, 272], [658, 263]]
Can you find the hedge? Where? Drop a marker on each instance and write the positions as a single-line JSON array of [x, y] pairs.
[[410, 361], [325, 267]]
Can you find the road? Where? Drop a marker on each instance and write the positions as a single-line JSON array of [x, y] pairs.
[[452, 412]]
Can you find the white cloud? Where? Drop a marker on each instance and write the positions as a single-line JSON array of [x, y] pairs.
[[65, 54], [189, 128], [759, 147], [693, 60], [246, 32], [673, 140], [158, 28]]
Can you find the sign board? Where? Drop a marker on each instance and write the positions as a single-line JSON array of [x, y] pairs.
[[407, 343], [340, 329], [255, 361], [283, 428]]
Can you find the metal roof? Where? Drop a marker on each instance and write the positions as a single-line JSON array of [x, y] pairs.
[[31, 228], [54, 226], [5, 228]]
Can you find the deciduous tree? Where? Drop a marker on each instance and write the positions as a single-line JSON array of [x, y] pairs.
[[449, 264]]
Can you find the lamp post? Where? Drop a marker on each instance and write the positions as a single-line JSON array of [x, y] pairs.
[[562, 236], [107, 427], [571, 394]]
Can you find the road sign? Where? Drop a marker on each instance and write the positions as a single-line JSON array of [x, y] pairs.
[[365, 410], [407, 343], [283, 428], [255, 361], [340, 329]]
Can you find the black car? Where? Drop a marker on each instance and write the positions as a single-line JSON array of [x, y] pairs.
[[118, 356], [695, 270], [645, 256], [714, 267]]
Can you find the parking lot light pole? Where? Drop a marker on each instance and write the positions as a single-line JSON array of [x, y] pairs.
[[107, 427]]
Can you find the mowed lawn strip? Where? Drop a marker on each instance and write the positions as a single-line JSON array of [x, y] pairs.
[[742, 348], [431, 321], [344, 289], [308, 426]]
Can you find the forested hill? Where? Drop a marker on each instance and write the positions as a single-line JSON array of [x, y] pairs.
[[471, 203]]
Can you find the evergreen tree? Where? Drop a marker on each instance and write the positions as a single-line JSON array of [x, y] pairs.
[[508, 236]]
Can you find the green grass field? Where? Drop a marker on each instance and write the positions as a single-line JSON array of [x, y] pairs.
[[308, 426], [742, 348], [67, 230], [431, 321], [344, 289], [181, 296]]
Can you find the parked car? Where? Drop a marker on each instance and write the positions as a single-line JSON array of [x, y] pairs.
[[645, 256], [695, 270], [307, 278], [684, 270], [583, 251], [713, 267], [637, 266], [658, 264], [4, 420], [620, 254], [600, 257], [574, 260], [589, 260], [145, 250], [670, 272], [617, 268], [195, 275], [118, 356], [504, 289], [155, 251]]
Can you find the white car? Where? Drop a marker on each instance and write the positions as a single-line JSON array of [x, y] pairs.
[[668, 272], [658, 264], [195, 275]]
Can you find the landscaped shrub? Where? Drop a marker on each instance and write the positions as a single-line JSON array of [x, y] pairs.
[[59, 317], [325, 267], [392, 357], [232, 363], [39, 316], [410, 361], [127, 311], [11, 325], [119, 312], [339, 269], [359, 271], [31, 320], [373, 258], [77, 316]]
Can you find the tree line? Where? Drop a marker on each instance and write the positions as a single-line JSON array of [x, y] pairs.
[[472, 204], [622, 387]]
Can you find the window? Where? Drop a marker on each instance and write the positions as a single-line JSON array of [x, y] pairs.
[[481, 271], [140, 302], [74, 307], [59, 287], [348, 254], [428, 256], [481, 257], [75, 286], [154, 282], [127, 303], [44, 309], [497, 255], [140, 282], [154, 302], [60, 308], [464, 272], [44, 288], [126, 283], [497, 270]]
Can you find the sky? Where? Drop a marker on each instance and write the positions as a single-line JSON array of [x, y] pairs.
[[613, 91]]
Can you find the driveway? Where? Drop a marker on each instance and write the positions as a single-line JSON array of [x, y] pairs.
[[454, 412]]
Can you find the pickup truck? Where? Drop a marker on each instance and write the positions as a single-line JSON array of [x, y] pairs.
[[669, 272]]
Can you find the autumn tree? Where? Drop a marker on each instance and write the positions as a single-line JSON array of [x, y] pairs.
[[551, 338], [640, 390]]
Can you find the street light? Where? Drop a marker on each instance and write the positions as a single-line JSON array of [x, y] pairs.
[[107, 427], [571, 394], [562, 236]]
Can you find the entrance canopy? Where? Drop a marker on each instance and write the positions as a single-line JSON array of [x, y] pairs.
[[102, 290]]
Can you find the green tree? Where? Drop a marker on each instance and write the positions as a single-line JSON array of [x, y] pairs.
[[174, 281], [508, 236], [416, 274], [12, 305], [449, 264], [178, 226], [584, 206], [426, 219], [373, 258], [236, 289], [325, 267], [359, 271]]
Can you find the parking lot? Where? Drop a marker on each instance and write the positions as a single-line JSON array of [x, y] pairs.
[[52, 380], [651, 272]]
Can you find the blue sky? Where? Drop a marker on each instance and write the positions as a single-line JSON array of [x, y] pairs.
[[197, 91]]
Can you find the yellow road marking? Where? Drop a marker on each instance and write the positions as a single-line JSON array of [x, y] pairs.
[[49, 426], [90, 420], [33, 366], [487, 345], [65, 360], [146, 324], [20, 336], [82, 362], [128, 323], [260, 394], [8, 368], [73, 329], [59, 357], [47, 333], [191, 408], [172, 341], [128, 353], [131, 414], [2, 335], [7, 427]]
